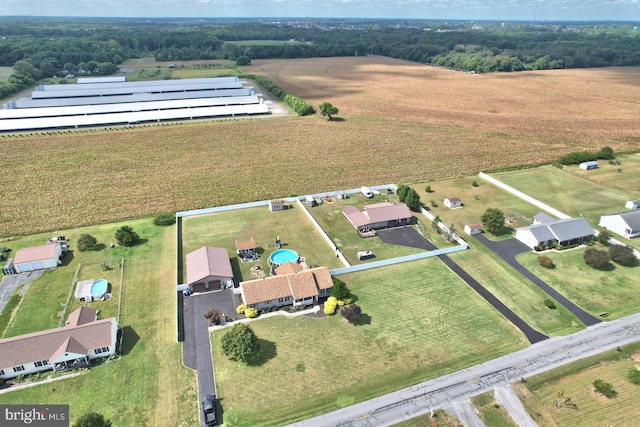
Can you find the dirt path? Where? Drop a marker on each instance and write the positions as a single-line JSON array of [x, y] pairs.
[[465, 412], [508, 399]]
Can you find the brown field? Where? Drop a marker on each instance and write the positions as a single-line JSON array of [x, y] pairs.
[[402, 122]]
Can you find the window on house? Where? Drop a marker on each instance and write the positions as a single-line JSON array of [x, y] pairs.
[[101, 350], [1, 372], [18, 368], [40, 363]]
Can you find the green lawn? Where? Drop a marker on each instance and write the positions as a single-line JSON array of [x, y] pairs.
[[614, 291], [516, 292], [475, 201], [420, 322], [148, 385], [622, 177], [223, 229], [330, 218], [566, 192], [490, 412]]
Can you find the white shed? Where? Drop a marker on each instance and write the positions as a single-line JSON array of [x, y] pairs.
[[631, 204], [588, 165], [473, 229], [38, 258], [453, 202]]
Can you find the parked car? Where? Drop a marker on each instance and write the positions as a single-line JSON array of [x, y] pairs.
[[209, 410]]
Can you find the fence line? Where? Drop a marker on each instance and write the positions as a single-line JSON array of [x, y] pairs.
[[398, 260], [323, 234], [523, 196]]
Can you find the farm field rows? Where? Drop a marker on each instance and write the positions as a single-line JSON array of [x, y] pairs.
[[574, 381], [390, 133], [409, 339]]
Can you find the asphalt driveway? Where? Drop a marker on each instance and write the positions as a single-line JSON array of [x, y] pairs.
[[196, 348], [408, 236], [509, 249], [10, 283]]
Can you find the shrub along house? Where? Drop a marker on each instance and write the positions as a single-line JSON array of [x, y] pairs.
[[625, 224], [561, 232], [302, 288], [377, 216], [209, 269], [73, 346]]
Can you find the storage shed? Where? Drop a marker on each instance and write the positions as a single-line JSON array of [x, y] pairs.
[[473, 229], [453, 202], [588, 165], [37, 258], [276, 205]]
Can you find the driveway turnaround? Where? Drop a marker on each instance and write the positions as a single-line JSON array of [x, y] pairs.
[[509, 249], [196, 348], [399, 236], [438, 393]]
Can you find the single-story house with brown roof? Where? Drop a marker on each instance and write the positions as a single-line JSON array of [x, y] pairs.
[[37, 257], [209, 269], [377, 216], [83, 338], [302, 288]]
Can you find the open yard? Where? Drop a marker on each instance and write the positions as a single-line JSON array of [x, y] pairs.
[[159, 390], [541, 393], [516, 292], [614, 290], [224, 229], [475, 200], [415, 315], [390, 133], [567, 192], [620, 174]]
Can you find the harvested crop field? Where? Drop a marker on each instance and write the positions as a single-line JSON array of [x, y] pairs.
[[401, 122]]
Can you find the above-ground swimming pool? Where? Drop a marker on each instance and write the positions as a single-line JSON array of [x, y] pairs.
[[281, 256], [99, 288]]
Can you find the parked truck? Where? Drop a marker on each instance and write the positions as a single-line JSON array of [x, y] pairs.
[[366, 192]]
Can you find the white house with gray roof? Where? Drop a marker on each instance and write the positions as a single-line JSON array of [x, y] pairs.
[[626, 224], [562, 232]]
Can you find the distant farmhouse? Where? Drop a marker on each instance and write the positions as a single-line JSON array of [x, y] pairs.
[[548, 231], [625, 224], [298, 288], [71, 347], [377, 216]]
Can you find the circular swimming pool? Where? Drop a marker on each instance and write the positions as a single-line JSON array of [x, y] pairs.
[[99, 288], [281, 256]]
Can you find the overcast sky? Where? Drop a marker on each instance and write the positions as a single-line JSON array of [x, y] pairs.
[[576, 10]]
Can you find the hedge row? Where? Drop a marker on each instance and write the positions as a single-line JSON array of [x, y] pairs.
[[301, 107]]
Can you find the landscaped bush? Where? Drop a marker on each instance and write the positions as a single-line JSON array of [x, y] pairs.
[[339, 290], [86, 242], [214, 316], [474, 183], [605, 388], [126, 236], [351, 312], [165, 219], [250, 312], [622, 255], [595, 258], [545, 261], [550, 304], [330, 306], [240, 309], [633, 375]]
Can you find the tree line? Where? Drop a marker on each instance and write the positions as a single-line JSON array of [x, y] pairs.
[[53, 46]]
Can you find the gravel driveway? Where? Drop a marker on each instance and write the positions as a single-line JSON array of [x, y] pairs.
[[509, 401]]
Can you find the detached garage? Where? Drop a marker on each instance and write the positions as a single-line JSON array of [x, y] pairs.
[[209, 269], [37, 258]]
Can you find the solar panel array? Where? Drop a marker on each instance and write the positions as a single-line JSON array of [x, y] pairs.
[[105, 103]]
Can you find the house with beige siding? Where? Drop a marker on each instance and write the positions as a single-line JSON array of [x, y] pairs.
[[304, 287], [70, 347], [377, 216], [209, 269]]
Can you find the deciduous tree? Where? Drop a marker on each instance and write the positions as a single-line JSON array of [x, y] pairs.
[[126, 236], [86, 242], [327, 109], [240, 343], [493, 220], [92, 419], [622, 255], [595, 258]]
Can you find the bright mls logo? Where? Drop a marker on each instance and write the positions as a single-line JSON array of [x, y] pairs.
[[34, 415]]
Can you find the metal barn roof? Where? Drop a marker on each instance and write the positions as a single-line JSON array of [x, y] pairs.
[[138, 97], [107, 91], [131, 117], [91, 80], [122, 84], [26, 113]]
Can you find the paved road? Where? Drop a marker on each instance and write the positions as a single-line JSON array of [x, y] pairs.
[[438, 393], [508, 249], [408, 236]]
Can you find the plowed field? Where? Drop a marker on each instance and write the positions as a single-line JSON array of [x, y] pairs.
[[400, 122]]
